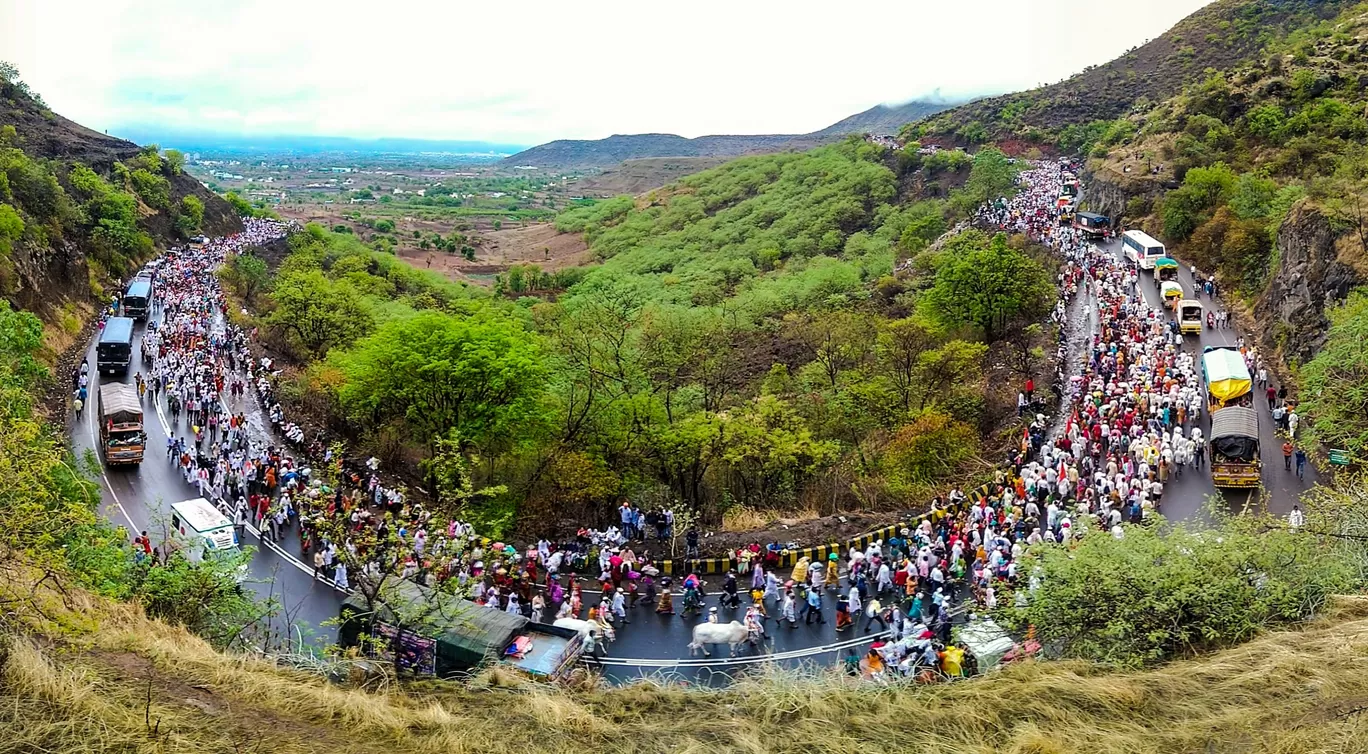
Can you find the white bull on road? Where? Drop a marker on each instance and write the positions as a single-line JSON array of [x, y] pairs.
[[704, 634], [586, 628]]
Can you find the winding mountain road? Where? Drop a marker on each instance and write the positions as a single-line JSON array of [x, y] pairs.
[[140, 499]]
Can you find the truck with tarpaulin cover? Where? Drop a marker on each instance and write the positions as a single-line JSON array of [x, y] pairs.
[[1235, 447], [1234, 440], [122, 440], [1165, 271], [1226, 376], [429, 632]]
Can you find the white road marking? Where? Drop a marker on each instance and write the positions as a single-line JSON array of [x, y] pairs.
[[94, 387], [791, 654], [112, 494]]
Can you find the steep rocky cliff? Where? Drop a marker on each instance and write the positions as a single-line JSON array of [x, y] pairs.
[[1114, 193], [1311, 276]]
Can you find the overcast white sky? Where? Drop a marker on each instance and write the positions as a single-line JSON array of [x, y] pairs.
[[528, 71]]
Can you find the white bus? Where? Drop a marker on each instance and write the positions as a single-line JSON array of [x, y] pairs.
[[205, 529], [1142, 249]]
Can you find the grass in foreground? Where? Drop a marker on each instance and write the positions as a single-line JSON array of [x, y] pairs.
[[93, 676]]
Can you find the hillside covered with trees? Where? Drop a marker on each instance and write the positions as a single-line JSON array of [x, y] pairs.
[[1070, 113], [79, 209], [742, 345]]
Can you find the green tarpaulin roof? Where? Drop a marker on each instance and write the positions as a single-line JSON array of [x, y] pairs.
[[466, 633]]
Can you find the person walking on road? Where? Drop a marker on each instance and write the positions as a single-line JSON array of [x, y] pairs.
[[1287, 455], [789, 611], [875, 611], [1296, 518], [1301, 464], [813, 607]]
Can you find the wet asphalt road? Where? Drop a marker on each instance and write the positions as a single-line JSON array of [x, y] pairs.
[[651, 645], [140, 497], [1185, 497]]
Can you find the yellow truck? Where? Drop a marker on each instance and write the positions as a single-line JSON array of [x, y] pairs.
[[1190, 316], [1234, 440], [1235, 447], [1226, 376]]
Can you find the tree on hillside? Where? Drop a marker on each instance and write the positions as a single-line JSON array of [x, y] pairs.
[[1240, 250], [940, 371], [991, 177], [175, 161], [837, 341], [931, 447], [480, 377], [249, 275], [11, 228], [319, 313], [768, 451], [189, 216], [899, 347], [990, 288]]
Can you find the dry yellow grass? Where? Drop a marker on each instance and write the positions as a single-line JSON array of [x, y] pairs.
[[97, 677], [742, 518]]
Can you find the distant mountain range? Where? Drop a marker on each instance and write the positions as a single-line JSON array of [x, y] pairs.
[[884, 119], [207, 141], [579, 154]]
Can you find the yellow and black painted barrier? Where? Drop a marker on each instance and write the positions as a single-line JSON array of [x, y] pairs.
[[818, 554]]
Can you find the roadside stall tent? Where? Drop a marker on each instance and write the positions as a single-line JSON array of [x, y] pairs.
[[1226, 374], [1235, 433], [445, 634]]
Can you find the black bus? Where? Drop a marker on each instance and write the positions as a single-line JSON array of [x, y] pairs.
[[115, 351], [137, 300]]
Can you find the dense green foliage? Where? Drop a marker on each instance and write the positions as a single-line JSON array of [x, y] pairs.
[[824, 219], [479, 376], [1249, 142], [991, 288], [1161, 593], [742, 342], [1335, 382], [51, 528]]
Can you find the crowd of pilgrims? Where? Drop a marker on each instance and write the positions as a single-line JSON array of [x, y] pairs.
[[1131, 412]]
